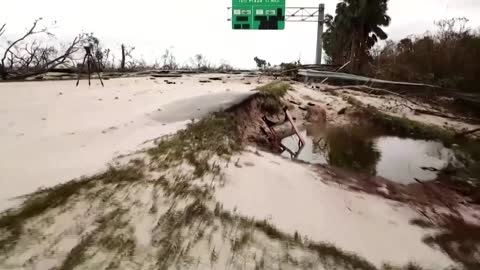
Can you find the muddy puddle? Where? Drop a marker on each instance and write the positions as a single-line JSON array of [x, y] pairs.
[[398, 159]]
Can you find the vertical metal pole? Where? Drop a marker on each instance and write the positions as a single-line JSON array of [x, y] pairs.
[[321, 17]]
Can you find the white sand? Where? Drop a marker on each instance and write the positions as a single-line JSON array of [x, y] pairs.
[[51, 131], [293, 197]]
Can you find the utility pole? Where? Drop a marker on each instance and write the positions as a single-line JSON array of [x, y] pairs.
[[321, 18]]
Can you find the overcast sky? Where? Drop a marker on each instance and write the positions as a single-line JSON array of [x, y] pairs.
[[192, 26]]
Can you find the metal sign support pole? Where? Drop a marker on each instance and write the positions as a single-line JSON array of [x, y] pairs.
[[321, 17]]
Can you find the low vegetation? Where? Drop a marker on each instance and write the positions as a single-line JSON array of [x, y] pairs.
[[447, 57], [38, 203], [183, 211], [399, 126], [215, 135], [275, 89]]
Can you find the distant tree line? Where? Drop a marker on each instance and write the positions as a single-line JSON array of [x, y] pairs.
[[37, 51], [449, 57]]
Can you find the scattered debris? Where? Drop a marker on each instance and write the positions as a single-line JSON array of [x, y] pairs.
[[237, 164], [276, 132], [166, 75], [294, 102], [467, 132], [316, 115]]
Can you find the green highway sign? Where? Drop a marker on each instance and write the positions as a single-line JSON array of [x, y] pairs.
[[258, 14]]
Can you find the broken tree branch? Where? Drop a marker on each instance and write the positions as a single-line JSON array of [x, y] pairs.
[[372, 90], [465, 133], [29, 33], [443, 115], [2, 29], [366, 89], [49, 64]]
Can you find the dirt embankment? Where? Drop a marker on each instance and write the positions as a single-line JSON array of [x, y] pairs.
[[448, 203]]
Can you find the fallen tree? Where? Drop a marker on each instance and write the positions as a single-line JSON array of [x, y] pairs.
[[26, 56], [379, 91]]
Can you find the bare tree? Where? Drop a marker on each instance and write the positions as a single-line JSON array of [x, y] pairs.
[[126, 52], [101, 54], [122, 63], [23, 59], [224, 66], [200, 62], [169, 61], [105, 56]]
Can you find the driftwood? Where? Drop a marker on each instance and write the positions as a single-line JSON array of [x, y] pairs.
[[468, 132], [309, 73], [372, 90], [443, 115]]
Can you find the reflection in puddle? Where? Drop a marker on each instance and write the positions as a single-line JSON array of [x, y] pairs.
[[308, 153], [397, 159], [402, 159]]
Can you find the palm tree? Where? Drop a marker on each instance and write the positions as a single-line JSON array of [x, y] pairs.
[[360, 22]]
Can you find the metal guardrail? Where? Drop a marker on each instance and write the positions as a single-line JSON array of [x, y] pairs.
[[350, 77]]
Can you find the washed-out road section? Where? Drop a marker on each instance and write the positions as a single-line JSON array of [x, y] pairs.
[[52, 131]]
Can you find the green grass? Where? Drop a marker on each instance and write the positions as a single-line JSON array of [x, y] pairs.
[[401, 126], [330, 256], [215, 135], [180, 188], [77, 254], [275, 89], [241, 242], [39, 202]]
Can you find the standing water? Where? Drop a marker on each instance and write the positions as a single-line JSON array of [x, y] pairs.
[[398, 159]]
